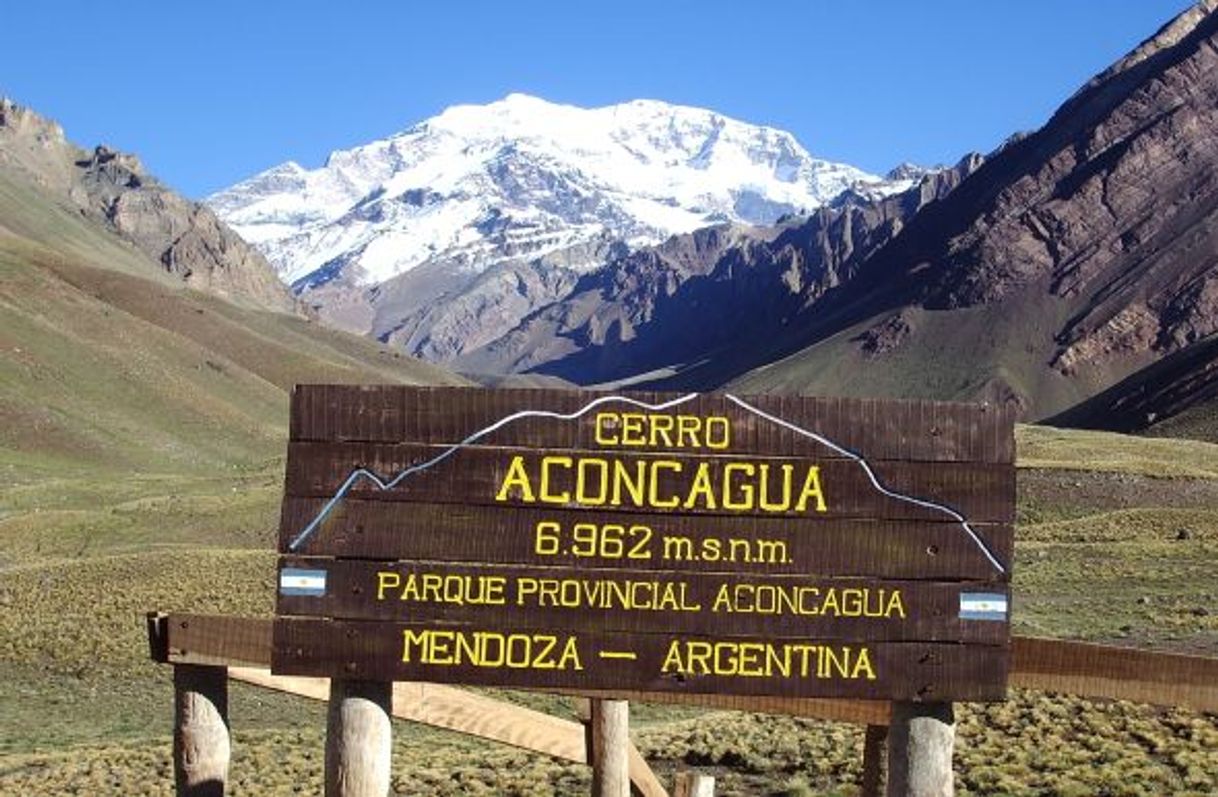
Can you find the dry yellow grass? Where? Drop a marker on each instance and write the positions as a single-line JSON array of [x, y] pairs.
[[1072, 449], [84, 555]]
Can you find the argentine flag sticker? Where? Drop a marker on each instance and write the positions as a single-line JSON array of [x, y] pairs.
[[296, 581], [983, 606]]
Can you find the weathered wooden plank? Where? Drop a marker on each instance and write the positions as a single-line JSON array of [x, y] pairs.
[[643, 601], [463, 533], [1117, 673], [462, 711], [894, 429], [218, 639], [209, 639], [660, 483], [652, 662], [861, 712], [1052, 665]]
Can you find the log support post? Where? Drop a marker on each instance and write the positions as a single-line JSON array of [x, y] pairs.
[[201, 745], [921, 737], [358, 738], [610, 730], [694, 784], [875, 761]]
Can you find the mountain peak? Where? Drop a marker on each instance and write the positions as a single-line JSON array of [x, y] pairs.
[[522, 99], [113, 190], [639, 171], [392, 229]]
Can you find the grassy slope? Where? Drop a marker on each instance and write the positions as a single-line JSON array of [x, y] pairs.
[[1098, 558], [100, 366], [1072, 449], [140, 468], [1199, 422], [964, 354], [956, 354]]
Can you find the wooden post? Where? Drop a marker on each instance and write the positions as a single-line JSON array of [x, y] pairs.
[[920, 741], [610, 748], [875, 760], [694, 784], [358, 738], [201, 746]]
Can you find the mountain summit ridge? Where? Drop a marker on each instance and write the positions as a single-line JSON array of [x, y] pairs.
[[114, 189], [642, 170], [1066, 262], [444, 236]]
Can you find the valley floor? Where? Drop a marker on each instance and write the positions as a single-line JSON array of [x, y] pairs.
[[1117, 541]]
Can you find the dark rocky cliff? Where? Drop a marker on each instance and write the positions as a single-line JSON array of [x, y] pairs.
[[110, 187]]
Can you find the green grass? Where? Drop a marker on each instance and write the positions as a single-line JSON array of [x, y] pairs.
[[1070, 449], [71, 621], [100, 367], [1031, 745], [966, 353], [141, 444]]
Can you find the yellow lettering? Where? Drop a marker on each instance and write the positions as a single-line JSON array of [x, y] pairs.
[[582, 480], [688, 426], [416, 638], [664, 484], [632, 429], [672, 659], [718, 432], [747, 659], [895, 606], [546, 464], [661, 426], [765, 659], [604, 422], [783, 503], [517, 477], [653, 488], [745, 469], [438, 650], [811, 490], [829, 605], [570, 656], [700, 655], [386, 580], [701, 488], [636, 488], [862, 665]]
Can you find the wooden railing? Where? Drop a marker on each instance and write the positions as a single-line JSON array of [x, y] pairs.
[[208, 650]]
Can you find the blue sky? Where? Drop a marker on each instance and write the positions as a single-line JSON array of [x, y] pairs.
[[210, 92]]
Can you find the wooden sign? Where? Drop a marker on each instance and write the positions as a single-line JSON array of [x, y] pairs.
[[803, 547]]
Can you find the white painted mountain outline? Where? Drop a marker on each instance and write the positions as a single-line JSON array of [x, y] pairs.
[[383, 484]]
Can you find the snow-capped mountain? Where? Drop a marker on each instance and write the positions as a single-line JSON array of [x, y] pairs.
[[445, 235]]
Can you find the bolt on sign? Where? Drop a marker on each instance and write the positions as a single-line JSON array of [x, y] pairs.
[[703, 543]]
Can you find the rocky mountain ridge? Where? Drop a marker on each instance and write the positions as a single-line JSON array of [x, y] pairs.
[[1051, 270], [113, 188], [443, 237], [1087, 250], [648, 311]]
